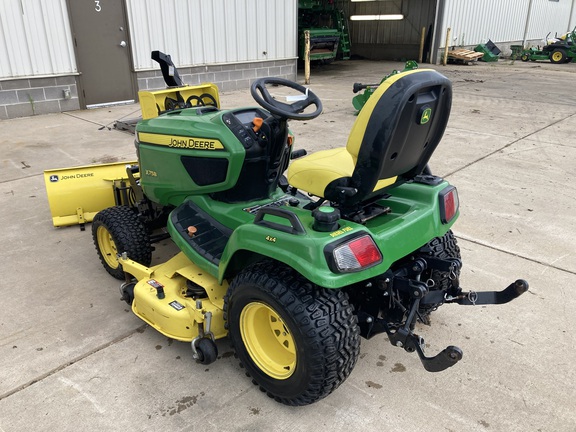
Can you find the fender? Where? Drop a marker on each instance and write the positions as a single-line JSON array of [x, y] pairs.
[[413, 221]]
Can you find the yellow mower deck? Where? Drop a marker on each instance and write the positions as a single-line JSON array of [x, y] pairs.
[[76, 194], [176, 315]]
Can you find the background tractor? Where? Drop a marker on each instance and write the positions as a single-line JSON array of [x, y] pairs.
[[561, 50]]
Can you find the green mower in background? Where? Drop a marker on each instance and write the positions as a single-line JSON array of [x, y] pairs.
[[561, 50], [293, 257], [359, 100]]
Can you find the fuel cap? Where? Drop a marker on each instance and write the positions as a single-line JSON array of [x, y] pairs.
[[326, 219]]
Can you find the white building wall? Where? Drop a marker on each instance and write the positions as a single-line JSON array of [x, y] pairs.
[[475, 21], [200, 32], [35, 39]]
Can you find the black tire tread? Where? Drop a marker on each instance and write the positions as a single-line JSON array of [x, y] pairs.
[[562, 60], [129, 234], [445, 247], [338, 337]]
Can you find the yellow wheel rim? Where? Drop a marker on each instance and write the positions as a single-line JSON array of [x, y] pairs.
[[268, 340], [557, 56], [107, 247]]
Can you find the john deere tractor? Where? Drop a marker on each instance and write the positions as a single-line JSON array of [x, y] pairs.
[[560, 50], [293, 257]]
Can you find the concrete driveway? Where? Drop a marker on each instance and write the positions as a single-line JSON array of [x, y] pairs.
[[73, 357]]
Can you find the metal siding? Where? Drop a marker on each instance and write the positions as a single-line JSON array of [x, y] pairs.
[[241, 33], [200, 32], [475, 21], [231, 32], [35, 38], [192, 36], [259, 20], [549, 16]]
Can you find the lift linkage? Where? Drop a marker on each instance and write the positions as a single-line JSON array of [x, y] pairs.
[[407, 282]]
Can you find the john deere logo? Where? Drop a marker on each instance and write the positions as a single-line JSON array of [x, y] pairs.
[[426, 116]]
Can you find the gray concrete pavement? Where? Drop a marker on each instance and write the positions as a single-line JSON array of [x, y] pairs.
[[75, 358]]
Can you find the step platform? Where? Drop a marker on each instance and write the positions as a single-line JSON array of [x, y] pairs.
[[202, 232]]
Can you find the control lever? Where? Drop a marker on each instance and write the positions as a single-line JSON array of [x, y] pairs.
[[298, 154]]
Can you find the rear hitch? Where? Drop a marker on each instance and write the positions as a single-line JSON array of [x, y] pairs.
[[403, 292], [446, 358], [512, 291], [405, 338], [472, 298]]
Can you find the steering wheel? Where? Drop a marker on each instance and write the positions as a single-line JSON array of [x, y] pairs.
[[292, 111]]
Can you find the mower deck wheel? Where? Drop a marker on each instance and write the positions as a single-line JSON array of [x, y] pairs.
[[207, 351]]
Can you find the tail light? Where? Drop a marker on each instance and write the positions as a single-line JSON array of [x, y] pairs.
[[356, 254], [448, 204]]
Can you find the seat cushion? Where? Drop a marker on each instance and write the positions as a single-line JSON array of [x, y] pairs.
[[314, 172]]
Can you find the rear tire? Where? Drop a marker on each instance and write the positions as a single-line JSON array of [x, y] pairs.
[[116, 230], [297, 341], [445, 247], [558, 56]]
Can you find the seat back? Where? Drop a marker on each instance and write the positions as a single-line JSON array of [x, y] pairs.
[[395, 134]]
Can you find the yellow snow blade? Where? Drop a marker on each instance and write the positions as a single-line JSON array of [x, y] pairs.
[[76, 194]]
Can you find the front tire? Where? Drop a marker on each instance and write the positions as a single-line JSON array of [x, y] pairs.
[[297, 341], [116, 230]]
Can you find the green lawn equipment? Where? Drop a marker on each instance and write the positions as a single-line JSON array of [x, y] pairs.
[[353, 241], [329, 37], [561, 50], [359, 100]]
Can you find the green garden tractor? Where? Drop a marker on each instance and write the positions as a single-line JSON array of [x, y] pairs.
[[293, 257], [359, 100]]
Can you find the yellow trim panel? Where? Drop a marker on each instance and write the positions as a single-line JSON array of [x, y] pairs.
[[175, 141]]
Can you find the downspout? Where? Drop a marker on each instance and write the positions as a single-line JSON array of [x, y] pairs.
[[570, 24], [528, 22], [438, 31]]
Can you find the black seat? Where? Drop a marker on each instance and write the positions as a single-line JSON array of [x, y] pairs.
[[390, 143]]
